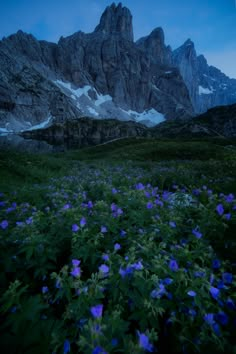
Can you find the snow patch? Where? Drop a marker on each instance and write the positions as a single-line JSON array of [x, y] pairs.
[[40, 125], [204, 91], [102, 99], [75, 92], [152, 115], [92, 111]]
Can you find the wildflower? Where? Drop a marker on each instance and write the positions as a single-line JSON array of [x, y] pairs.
[[119, 211], [105, 257], [216, 264], [192, 312], [114, 342], [222, 318], [113, 207], [149, 205], [66, 348], [114, 191], [90, 204], [158, 293], [123, 233], [44, 289], [227, 216], [67, 206], [167, 281], [230, 303], [4, 224], [214, 292], [197, 233], [137, 266], [104, 269], [128, 271], [75, 262], [144, 342], [82, 222], [209, 318], [172, 224], [220, 209], [139, 186], [191, 293], [76, 272], [96, 311], [75, 227], [117, 247], [227, 278], [99, 350], [103, 229], [229, 198], [173, 265]]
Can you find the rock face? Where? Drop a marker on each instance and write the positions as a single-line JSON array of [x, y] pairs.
[[208, 86], [103, 74], [216, 122]]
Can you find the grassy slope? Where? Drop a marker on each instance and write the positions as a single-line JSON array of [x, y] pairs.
[[187, 162]]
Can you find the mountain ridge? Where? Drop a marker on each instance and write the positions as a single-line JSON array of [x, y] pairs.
[[102, 74]]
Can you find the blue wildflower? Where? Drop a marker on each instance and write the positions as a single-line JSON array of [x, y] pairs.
[[214, 292], [209, 318], [104, 269], [173, 265], [172, 224], [44, 289], [216, 264], [96, 311], [149, 205], [76, 272], [220, 209], [105, 257], [230, 303], [75, 227], [4, 224], [144, 342], [103, 229], [114, 342], [117, 247], [98, 350], [222, 318], [83, 222], [197, 233], [227, 278], [66, 348]]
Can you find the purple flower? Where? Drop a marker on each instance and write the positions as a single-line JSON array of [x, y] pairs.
[[90, 204], [98, 350], [67, 206], [105, 257], [214, 292], [199, 274], [230, 303], [229, 198], [4, 224], [103, 229], [117, 247], [227, 216], [191, 293], [44, 289], [126, 272], [220, 209], [209, 318], [119, 211], [66, 348], [96, 311], [75, 227], [137, 266], [139, 186], [123, 233], [222, 318], [75, 262], [173, 265], [167, 281], [82, 222], [216, 264], [227, 278], [158, 293], [104, 269], [144, 342], [76, 272], [172, 224], [197, 233], [149, 205], [114, 191], [113, 207]]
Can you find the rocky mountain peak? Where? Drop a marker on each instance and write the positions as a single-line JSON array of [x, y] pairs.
[[116, 19]]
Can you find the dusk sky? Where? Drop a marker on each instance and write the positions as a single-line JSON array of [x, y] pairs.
[[211, 24]]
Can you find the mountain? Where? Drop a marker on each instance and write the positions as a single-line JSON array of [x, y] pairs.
[[208, 86], [103, 74], [216, 122]]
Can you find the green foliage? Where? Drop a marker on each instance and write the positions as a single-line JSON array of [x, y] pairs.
[[155, 241]]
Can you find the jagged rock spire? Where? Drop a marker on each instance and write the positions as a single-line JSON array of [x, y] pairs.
[[116, 19]]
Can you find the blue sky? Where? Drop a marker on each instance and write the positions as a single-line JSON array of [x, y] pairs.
[[211, 24]]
